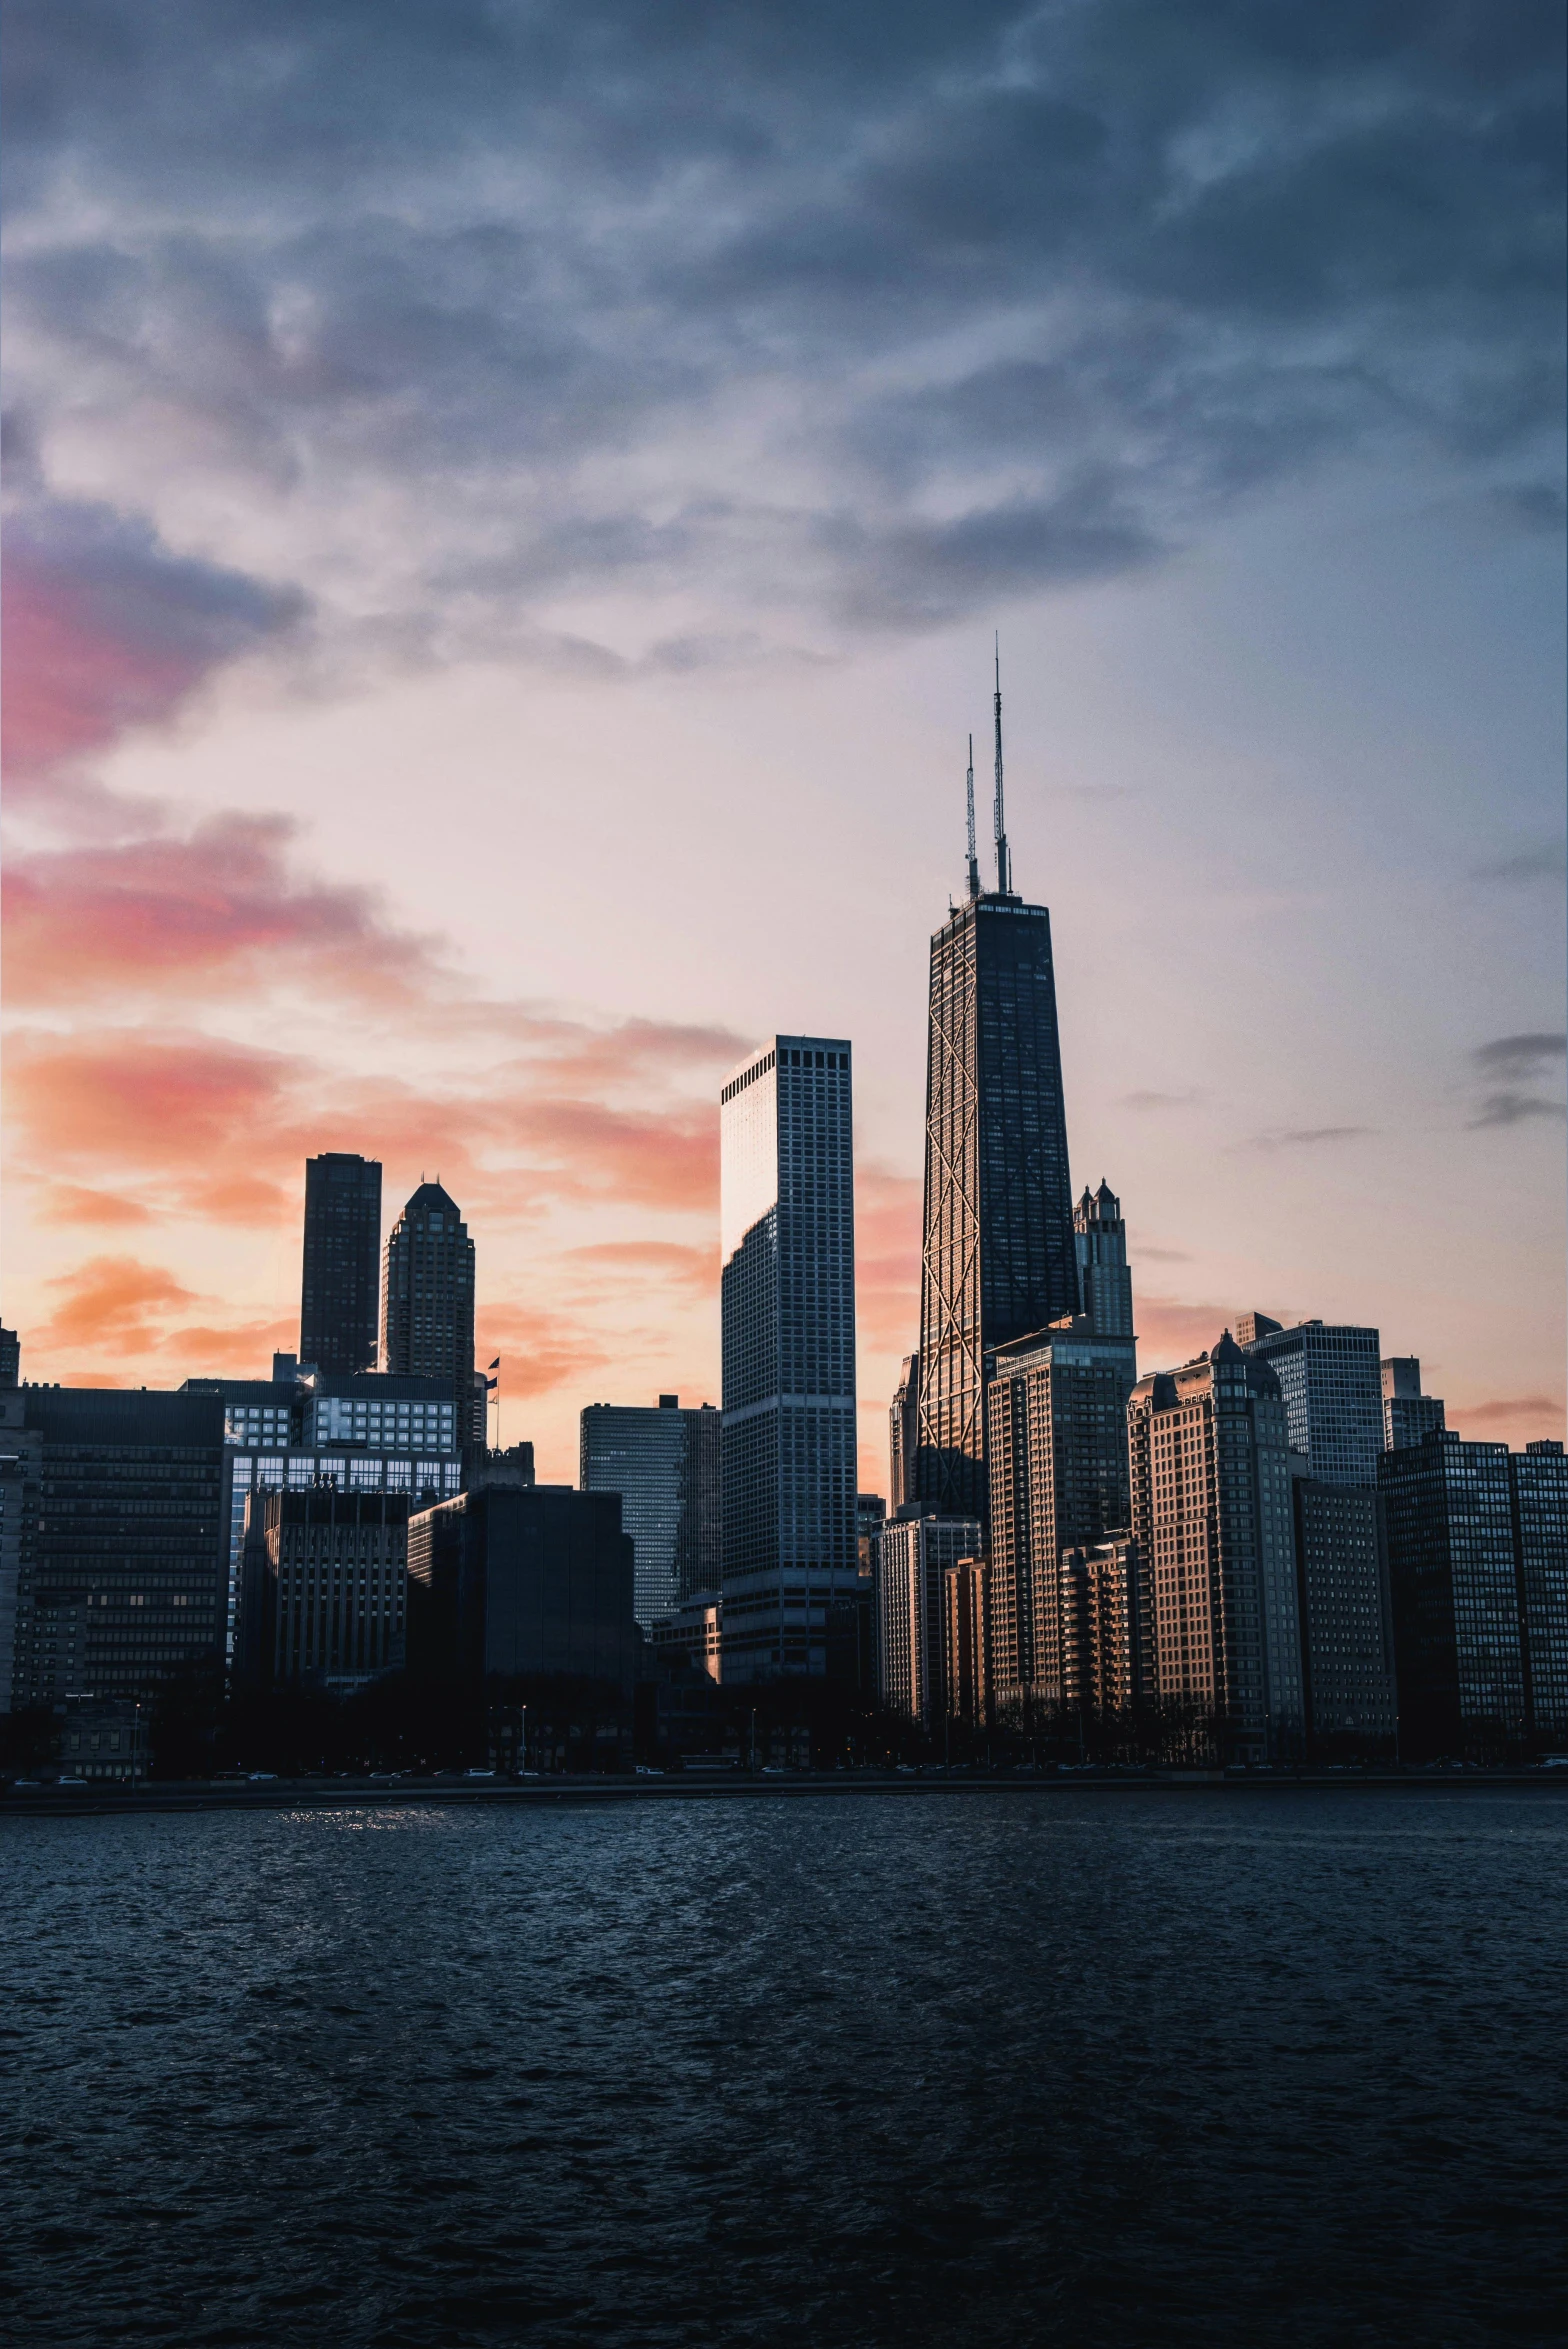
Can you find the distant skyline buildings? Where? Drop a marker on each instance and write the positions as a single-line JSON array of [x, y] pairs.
[[1408, 1414], [667, 1465], [340, 1295], [787, 1315], [427, 1317], [1330, 1377]]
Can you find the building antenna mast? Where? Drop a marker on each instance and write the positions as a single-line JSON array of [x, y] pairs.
[[1004, 878], [974, 861]]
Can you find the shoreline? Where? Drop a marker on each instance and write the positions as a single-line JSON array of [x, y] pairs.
[[334, 1794]]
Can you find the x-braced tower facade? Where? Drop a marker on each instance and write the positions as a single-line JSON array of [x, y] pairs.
[[998, 1260]]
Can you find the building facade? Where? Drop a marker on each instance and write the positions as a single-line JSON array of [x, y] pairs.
[[910, 1609], [340, 1291], [1408, 1415], [1213, 1519], [903, 1436], [966, 1643], [1539, 1482], [1098, 1613], [788, 1334], [427, 1313], [1104, 1276], [1458, 1641], [511, 1582], [324, 1588], [122, 1551], [667, 1466], [1331, 1379], [1058, 1467], [1346, 1621], [998, 1257]]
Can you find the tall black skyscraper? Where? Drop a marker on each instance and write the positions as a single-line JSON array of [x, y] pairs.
[[339, 1295], [998, 1260], [428, 1311]]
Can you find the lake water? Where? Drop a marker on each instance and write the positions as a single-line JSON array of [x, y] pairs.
[[962, 2068]]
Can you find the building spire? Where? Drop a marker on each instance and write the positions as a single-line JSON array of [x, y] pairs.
[[974, 861], [1004, 877]]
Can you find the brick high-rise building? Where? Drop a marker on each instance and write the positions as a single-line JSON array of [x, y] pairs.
[[910, 1604], [1098, 1611]]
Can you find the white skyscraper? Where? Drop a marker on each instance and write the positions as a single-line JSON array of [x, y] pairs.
[[787, 1246]]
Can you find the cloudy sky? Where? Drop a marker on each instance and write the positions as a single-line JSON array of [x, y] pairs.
[[507, 507]]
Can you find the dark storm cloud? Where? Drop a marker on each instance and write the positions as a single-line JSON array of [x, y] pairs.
[[872, 313], [1512, 1068]]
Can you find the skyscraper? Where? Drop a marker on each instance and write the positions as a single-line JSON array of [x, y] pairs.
[[998, 1259], [1408, 1415], [1331, 1381], [1211, 1511], [665, 1464], [325, 1587], [1100, 1239], [1458, 1647], [911, 1609], [903, 1435], [339, 1293], [788, 1315], [1347, 1636], [1058, 1441], [1539, 1478], [428, 1298]]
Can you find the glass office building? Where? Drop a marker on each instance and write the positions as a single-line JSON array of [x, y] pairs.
[[787, 1227], [665, 1464], [1458, 1648], [1331, 1378], [340, 1286]]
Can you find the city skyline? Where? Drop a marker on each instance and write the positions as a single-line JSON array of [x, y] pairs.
[[408, 722]]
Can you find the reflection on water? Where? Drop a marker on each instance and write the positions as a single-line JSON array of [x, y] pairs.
[[1100, 2069]]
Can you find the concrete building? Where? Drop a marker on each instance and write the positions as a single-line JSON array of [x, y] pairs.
[[966, 1643], [1331, 1380], [666, 1463], [1408, 1415], [1058, 1463], [1213, 1519], [1346, 1620], [1100, 1241], [903, 1436], [1458, 1643], [341, 1280], [512, 1582], [121, 1502], [787, 1249], [1098, 1614], [324, 1588], [909, 1639], [1538, 1478], [427, 1312]]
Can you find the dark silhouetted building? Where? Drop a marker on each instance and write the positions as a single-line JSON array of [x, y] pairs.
[[427, 1314], [21, 1458], [787, 1248], [1100, 1238], [10, 1358], [512, 1582], [1408, 1415], [1458, 1647], [870, 1517], [1347, 1634], [1539, 1478], [324, 1588], [1058, 1458], [1098, 1613], [1331, 1380], [1213, 1519], [910, 1639], [998, 1258], [340, 1291], [904, 1436], [667, 1466], [122, 1550]]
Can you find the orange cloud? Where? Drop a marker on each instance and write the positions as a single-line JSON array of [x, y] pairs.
[[112, 1304], [669, 1261], [540, 1351], [74, 1203], [1171, 1333]]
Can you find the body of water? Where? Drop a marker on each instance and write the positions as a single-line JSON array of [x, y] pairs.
[[1218, 2067]]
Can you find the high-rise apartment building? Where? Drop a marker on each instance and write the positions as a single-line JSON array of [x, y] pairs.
[[122, 1553], [1331, 1380], [1098, 1612], [903, 1435], [340, 1290], [666, 1464], [1347, 1633], [998, 1259], [324, 1588], [428, 1299], [787, 1223], [1212, 1516], [1458, 1645], [1408, 1415], [1539, 1479], [1058, 1465], [1100, 1239], [966, 1642], [910, 1607]]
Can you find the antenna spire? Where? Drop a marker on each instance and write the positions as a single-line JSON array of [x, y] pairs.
[[969, 789], [1004, 875]]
